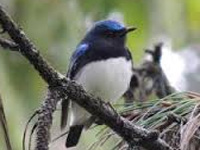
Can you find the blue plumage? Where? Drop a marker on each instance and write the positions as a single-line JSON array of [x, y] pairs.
[[102, 64], [111, 25], [75, 62], [81, 50]]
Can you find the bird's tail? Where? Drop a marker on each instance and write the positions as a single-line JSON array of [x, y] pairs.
[[64, 113], [74, 135]]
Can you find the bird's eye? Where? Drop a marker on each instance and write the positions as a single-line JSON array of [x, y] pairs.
[[110, 33]]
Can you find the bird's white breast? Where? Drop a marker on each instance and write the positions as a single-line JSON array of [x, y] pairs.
[[108, 79]]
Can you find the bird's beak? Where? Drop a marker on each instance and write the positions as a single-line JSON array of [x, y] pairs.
[[129, 29]]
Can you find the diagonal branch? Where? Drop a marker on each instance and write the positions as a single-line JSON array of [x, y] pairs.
[[28, 49], [63, 87]]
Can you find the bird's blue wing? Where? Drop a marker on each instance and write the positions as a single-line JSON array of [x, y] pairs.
[[81, 50], [77, 59]]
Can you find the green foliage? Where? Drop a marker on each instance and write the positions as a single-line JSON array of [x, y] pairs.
[[152, 115]]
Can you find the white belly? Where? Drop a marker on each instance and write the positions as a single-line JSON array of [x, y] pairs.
[[107, 79]]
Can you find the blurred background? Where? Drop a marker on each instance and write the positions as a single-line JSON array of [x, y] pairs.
[[56, 27]]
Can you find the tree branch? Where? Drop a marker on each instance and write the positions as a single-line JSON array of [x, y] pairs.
[[131, 133], [28, 49], [45, 119]]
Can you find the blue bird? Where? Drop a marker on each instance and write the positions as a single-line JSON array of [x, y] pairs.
[[102, 64]]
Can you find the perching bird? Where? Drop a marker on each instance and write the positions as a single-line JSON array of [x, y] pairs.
[[102, 64]]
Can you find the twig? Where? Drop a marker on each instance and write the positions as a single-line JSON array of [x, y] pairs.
[[4, 125], [189, 129], [60, 136], [31, 135], [124, 128], [26, 128], [170, 119], [4, 43]]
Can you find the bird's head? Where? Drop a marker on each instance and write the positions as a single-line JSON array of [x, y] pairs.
[[111, 31]]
